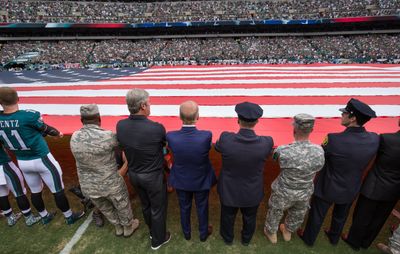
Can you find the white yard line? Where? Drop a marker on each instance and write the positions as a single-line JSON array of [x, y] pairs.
[[78, 234]]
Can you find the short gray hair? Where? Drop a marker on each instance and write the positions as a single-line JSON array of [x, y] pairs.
[[135, 98]]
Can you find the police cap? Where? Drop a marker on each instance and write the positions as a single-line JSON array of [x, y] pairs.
[[248, 112], [358, 109]]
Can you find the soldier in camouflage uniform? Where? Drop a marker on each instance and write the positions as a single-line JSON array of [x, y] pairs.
[[292, 189], [93, 149]]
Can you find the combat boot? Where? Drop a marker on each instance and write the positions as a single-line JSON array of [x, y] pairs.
[[285, 233], [271, 237], [128, 230], [98, 218], [119, 230]]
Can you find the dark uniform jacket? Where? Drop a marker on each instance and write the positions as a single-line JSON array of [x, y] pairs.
[[191, 170], [241, 181], [347, 155], [383, 181]]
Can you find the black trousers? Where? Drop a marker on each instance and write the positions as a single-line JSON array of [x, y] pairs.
[[228, 216], [152, 191], [316, 216], [368, 219]]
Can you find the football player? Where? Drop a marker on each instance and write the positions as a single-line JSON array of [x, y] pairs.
[[22, 132], [11, 179]]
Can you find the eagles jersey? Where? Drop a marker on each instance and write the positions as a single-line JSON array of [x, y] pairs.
[[20, 133], [4, 158]]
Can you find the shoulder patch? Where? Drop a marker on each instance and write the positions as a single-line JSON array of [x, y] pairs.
[[325, 142]]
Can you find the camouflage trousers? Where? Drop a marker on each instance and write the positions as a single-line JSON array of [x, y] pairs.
[[296, 210], [394, 242], [116, 207]]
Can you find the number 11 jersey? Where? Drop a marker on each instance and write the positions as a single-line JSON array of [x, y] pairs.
[[21, 133]]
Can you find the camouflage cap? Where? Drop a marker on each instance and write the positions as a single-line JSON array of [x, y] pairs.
[[89, 110], [304, 121]]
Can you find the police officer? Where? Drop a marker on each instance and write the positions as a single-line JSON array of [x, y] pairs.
[[93, 149], [347, 155], [241, 181], [379, 194], [292, 189]]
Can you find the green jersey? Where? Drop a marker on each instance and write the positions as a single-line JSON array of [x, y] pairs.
[[4, 158], [20, 133]]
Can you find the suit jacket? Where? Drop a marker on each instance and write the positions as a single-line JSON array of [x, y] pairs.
[[241, 181], [347, 155], [191, 170], [383, 181]]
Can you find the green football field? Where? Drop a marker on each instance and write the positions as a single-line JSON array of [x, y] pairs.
[[54, 237]]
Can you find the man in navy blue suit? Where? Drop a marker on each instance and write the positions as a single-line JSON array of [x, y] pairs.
[[192, 174], [241, 182]]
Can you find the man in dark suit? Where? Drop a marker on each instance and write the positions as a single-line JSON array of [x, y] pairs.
[[143, 141], [192, 174], [241, 181], [379, 194], [347, 155]]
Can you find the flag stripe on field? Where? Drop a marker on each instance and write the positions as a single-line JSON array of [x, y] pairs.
[[122, 85], [281, 90], [243, 81], [217, 100], [372, 91], [270, 111]]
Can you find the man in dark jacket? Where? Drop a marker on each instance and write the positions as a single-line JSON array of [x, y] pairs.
[[143, 141], [379, 194], [347, 155], [192, 174], [241, 181]]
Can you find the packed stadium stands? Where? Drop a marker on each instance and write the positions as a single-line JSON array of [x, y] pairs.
[[376, 48], [34, 11]]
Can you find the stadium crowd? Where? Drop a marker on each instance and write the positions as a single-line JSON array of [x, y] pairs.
[[35, 11], [377, 48]]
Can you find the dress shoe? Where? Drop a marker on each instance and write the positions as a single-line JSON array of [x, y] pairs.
[[271, 237], [300, 233], [245, 243], [384, 248], [209, 232], [287, 235], [187, 237], [327, 233], [228, 243], [344, 238]]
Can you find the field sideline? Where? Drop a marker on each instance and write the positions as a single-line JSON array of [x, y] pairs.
[[53, 238]]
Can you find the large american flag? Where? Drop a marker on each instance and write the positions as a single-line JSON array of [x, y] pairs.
[[281, 90]]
